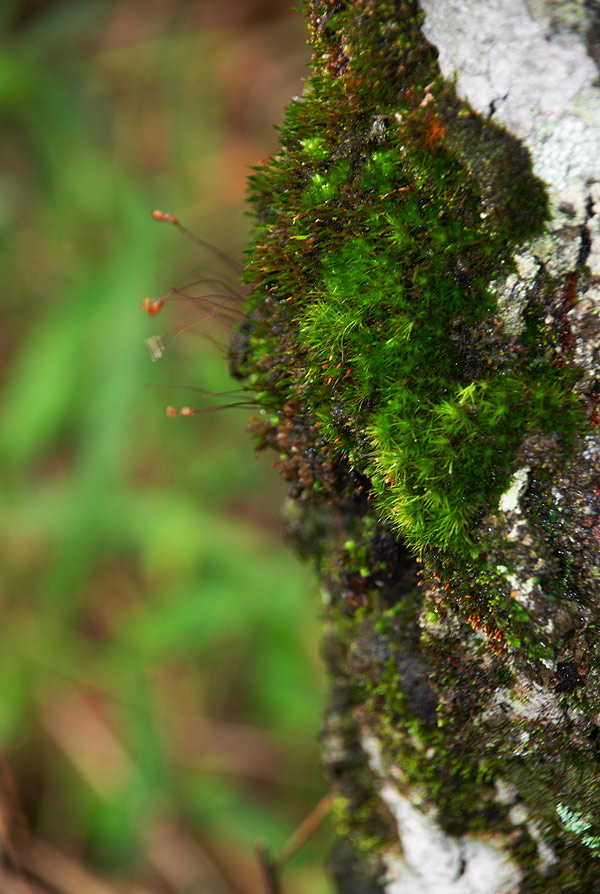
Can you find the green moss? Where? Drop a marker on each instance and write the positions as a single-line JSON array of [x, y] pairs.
[[380, 227], [451, 768], [383, 662], [400, 409]]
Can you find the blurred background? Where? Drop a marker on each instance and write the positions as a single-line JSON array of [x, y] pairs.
[[160, 686]]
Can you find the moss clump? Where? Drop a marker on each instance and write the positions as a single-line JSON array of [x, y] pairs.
[[380, 227]]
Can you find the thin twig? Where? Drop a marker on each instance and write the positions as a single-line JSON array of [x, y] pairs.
[[307, 827], [269, 870], [271, 867], [14, 833]]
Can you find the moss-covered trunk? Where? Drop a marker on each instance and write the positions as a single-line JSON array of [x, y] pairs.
[[423, 336]]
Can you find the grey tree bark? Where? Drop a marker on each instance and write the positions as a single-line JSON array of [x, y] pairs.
[[533, 68], [463, 733]]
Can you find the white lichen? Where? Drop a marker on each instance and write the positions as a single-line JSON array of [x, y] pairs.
[[538, 83], [526, 702], [509, 501], [432, 862], [506, 792], [546, 855]]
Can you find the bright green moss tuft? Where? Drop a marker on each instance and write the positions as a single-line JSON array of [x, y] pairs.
[[380, 228]]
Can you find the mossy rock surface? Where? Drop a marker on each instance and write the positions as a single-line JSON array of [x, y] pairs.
[[426, 432]]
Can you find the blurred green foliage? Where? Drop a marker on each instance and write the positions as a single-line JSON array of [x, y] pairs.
[[159, 660]]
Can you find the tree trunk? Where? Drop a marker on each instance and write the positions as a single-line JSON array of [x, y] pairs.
[[423, 338]]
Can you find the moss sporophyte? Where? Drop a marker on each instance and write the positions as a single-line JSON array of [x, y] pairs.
[[382, 228]]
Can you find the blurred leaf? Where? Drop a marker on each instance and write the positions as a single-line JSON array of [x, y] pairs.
[[42, 383], [230, 814]]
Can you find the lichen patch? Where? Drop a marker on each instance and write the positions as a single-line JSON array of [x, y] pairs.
[[431, 861]]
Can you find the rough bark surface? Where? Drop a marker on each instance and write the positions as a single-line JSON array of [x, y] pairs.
[[423, 334]]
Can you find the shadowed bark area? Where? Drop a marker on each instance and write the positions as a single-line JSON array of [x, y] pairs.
[[423, 335]]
